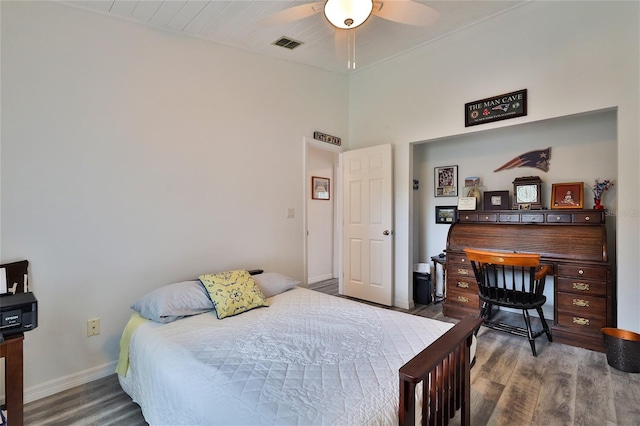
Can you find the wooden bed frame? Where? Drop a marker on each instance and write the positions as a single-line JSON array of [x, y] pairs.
[[444, 368]]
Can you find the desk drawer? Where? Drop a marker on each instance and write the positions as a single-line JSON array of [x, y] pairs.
[[582, 304], [488, 217], [468, 299], [580, 271], [463, 284], [457, 259], [558, 218], [460, 270], [467, 217], [587, 323], [587, 217], [579, 286], [532, 218], [510, 218]]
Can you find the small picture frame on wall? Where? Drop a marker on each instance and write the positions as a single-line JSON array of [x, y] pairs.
[[496, 200], [567, 195], [320, 188], [446, 181], [446, 214]]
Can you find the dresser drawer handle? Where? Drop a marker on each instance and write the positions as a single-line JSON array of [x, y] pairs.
[[463, 271], [557, 217], [581, 286], [580, 272], [463, 299], [587, 218], [463, 260], [581, 303], [486, 218], [580, 321], [463, 284]]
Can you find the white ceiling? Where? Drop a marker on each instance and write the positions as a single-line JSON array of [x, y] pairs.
[[235, 23]]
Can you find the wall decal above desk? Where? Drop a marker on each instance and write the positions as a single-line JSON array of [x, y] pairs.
[[538, 159]]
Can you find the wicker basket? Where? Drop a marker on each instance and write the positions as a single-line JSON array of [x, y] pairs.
[[623, 349]]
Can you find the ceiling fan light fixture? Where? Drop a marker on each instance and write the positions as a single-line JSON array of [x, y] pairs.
[[347, 14]]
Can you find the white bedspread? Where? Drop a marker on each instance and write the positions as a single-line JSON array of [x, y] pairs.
[[309, 358]]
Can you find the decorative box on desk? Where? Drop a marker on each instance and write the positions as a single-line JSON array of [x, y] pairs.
[[573, 242]]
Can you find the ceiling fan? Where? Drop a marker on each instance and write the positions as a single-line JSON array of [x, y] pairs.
[[347, 15]]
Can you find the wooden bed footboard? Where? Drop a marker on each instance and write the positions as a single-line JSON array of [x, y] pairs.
[[444, 369]]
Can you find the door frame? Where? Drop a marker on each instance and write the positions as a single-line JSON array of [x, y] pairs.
[[336, 189]]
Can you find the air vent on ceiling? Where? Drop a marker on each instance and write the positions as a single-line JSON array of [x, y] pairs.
[[287, 42]]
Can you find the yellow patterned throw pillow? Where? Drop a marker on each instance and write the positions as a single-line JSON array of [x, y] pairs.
[[233, 292]]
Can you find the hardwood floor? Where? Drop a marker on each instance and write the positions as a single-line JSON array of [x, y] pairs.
[[563, 385]]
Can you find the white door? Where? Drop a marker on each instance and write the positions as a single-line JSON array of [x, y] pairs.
[[368, 235]]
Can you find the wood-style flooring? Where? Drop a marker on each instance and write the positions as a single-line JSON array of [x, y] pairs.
[[563, 385]]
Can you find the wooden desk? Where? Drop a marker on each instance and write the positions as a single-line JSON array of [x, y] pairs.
[[11, 351], [572, 242]]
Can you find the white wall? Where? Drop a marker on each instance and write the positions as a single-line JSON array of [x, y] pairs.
[[320, 216], [133, 158], [573, 57]]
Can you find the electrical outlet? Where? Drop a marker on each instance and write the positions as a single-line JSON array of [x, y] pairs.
[[93, 327]]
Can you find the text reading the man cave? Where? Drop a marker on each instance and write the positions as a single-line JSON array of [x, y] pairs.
[[496, 108]]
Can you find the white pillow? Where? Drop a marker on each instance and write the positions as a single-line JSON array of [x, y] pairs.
[[272, 283], [174, 301]]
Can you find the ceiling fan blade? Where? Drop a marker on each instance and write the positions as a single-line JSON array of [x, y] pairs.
[[292, 14], [406, 12]]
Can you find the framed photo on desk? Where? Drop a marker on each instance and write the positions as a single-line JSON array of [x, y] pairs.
[[496, 200], [567, 195]]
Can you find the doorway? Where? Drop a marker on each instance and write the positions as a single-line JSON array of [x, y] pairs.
[[321, 233]]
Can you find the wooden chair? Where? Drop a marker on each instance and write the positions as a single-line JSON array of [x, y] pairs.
[[511, 280]]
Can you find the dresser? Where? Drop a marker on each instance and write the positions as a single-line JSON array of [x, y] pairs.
[[572, 242]]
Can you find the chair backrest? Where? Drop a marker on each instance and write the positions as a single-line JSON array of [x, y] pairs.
[[509, 279]]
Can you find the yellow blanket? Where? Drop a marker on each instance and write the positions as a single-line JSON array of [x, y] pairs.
[[123, 362]]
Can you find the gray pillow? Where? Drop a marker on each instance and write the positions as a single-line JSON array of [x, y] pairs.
[[174, 301], [272, 283]]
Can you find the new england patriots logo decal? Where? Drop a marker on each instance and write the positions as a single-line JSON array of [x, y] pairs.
[[538, 159]]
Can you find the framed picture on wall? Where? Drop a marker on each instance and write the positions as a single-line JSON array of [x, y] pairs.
[[320, 188], [446, 214], [567, 195], [446, 181]]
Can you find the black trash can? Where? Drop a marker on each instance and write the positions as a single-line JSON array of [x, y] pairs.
[[623, 349], [422, 288]]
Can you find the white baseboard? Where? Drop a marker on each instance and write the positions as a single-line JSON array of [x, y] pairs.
[[43, 390], [403, 304], [325, 277]]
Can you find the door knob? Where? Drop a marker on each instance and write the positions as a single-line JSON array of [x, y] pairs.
[[385, 232]]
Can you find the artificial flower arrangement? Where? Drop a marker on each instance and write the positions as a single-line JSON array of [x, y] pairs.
[[598, 189]]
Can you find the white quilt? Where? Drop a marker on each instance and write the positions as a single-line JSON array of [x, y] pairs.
[[308, 358]]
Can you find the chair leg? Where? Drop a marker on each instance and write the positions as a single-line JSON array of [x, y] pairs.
[[488, 310], [483, 309], [532, 341], [547, 331]]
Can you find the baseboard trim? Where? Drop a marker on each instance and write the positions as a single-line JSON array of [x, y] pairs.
[[320, 278], [51, 387]]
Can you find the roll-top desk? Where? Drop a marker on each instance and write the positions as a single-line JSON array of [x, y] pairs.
[[573, 242]]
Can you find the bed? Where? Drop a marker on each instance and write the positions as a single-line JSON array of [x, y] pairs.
[[307, 358]]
